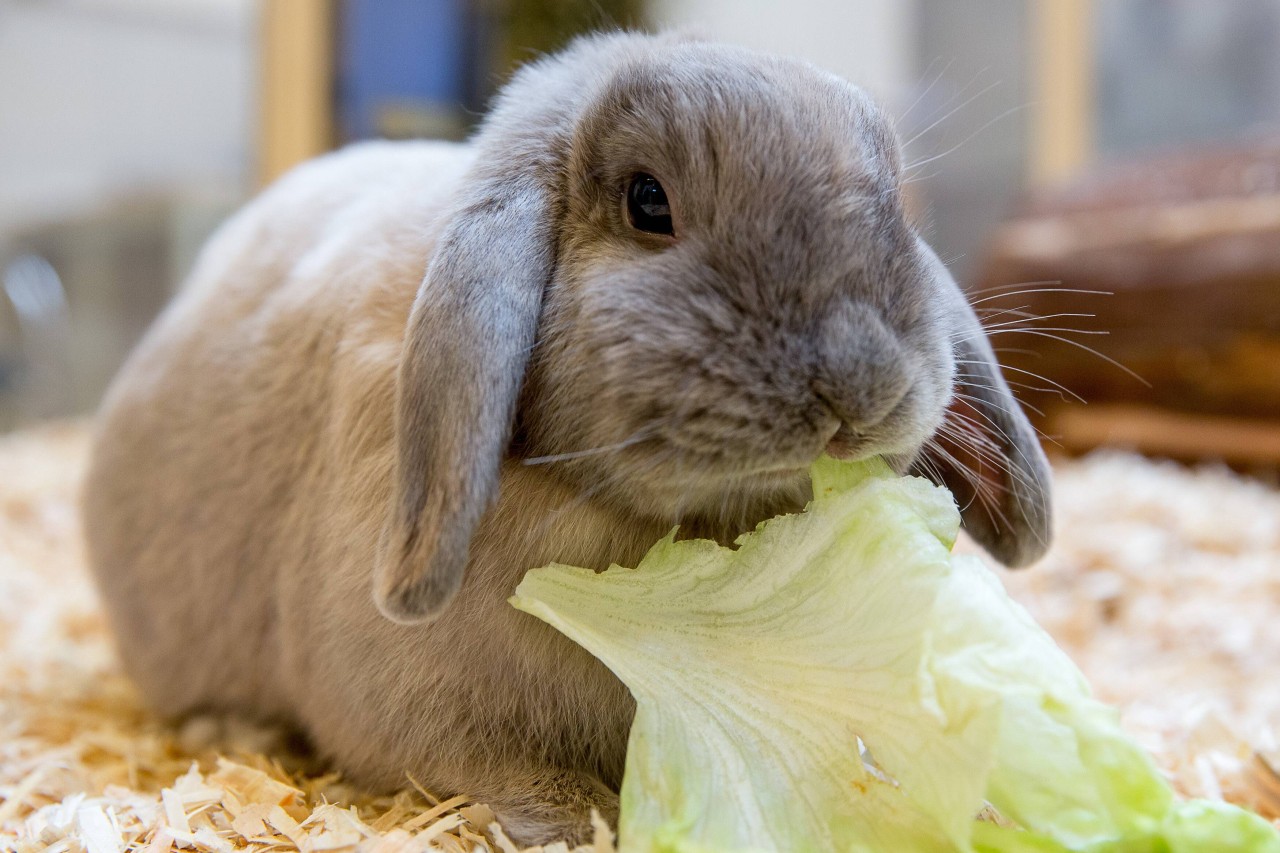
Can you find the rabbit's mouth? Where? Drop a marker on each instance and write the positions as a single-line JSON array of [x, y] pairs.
[[848, 444], [725, 465]]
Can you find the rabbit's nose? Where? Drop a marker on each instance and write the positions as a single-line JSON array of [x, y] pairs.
[[862, 372]]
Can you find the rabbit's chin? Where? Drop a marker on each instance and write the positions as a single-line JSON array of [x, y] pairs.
[[724, 510], [743, 494], [718, 489], [718, 501]]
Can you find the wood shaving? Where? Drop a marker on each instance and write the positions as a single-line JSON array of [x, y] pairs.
[[1162, 586]]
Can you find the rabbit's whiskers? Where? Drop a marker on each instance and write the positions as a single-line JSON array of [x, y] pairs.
[[590, 451]]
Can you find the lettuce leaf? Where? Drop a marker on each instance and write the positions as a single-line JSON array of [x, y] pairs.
[[840, 681]]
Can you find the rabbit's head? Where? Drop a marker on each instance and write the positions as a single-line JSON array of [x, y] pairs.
[[679, 273]]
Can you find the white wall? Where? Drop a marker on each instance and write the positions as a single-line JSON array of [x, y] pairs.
[[869, 42], [100, 97]]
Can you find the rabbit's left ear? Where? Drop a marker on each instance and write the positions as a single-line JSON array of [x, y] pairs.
[[989, 457], [466, 349]]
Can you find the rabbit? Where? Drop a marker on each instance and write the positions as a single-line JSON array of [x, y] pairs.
[[664, 277]]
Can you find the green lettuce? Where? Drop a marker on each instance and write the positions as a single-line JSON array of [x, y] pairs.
[[840, 681]]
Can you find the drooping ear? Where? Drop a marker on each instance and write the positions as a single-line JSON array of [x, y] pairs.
[[987, 452], [474, 324], [466, 349]]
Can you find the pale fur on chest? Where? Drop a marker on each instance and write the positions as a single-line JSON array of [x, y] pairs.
[[397, 704]]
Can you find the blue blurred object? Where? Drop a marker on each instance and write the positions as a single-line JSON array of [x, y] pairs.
[[405, 67], [38, 374]]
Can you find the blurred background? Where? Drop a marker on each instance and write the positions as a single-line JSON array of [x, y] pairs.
[[1085, 167]]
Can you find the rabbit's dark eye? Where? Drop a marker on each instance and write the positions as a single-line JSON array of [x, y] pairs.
[[647, 205]]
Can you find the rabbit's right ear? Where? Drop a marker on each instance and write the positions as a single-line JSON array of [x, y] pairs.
[[466, 349]]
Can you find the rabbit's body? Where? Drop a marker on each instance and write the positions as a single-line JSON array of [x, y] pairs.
[[283, 477], [322, 474]]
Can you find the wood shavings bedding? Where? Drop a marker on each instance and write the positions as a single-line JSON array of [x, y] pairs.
[[1163, 585]]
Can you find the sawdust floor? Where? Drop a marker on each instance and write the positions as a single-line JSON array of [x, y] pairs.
[[1163, 585]]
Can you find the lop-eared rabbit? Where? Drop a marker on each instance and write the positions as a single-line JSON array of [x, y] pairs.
[[662, 279]]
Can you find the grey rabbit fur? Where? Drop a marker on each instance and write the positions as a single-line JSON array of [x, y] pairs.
[[409, 372]]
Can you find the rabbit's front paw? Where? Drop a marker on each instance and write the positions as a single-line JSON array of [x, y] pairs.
[[556, 806]]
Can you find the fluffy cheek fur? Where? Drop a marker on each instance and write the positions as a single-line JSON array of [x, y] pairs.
[[692, 406], [925, 409], [654, 402]]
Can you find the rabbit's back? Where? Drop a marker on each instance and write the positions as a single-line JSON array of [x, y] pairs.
[[224, 419]]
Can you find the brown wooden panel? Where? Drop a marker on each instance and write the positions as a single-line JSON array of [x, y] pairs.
[[1188, 249], [1160, 432]]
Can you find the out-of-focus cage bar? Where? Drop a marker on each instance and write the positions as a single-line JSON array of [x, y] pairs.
[[295, 111]]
